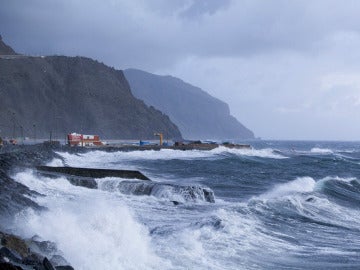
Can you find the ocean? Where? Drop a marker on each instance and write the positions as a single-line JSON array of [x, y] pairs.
[[279, 205]]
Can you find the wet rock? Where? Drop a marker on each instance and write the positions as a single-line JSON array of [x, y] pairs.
[[58, 260], [6, 255], [310, 199], [64, 267], [82, 182], [43, 247], [47, 264], [165, 190], [33, 259], [136, 187], [15, 243], [9, 266], [214, 222], [209, 195]]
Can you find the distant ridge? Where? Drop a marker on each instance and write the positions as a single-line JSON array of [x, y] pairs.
[[5, 49], [59, 95], [197, 114]]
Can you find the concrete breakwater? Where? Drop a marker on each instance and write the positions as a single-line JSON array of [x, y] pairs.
[[136, 185]]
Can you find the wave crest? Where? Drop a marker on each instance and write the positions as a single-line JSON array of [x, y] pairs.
[[299, 185], [317, 150]]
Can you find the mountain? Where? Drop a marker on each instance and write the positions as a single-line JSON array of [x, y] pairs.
[[62, 94], [197, 114], [5, 49]]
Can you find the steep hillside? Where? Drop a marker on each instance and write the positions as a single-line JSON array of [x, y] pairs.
[[5, 49], [73, 94], [197, 114]]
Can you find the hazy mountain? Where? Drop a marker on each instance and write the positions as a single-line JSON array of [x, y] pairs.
[[5, 49], [72, 94], [197, 114]]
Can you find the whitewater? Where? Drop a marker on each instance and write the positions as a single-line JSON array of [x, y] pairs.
[[279, 205]]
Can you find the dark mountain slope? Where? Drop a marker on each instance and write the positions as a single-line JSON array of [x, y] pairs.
[[5, 49], [73, 94], [196, 113]]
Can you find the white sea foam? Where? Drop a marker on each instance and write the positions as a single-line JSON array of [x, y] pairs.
[[319, 208], [299, 185], [262, 153], [321, 182], [93, 229], [56, 162], [99, 158], [102, 157], [337, 178], [317, 150]]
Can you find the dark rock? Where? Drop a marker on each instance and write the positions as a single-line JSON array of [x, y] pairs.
[[64, 267], [136, 187], [34, 259], [209, 195], [14, 196], [15, 243], [156, 189], [43, 247], [5, 49], [213, 222], [58, 260], [9, 266], [47, 264], [88, 183], [8, 255]]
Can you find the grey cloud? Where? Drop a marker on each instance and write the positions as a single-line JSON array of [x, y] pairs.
[[236, 28], [197, 9], [246, 52]]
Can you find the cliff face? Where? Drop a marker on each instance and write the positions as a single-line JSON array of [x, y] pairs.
[[197, 114], [73, 94]]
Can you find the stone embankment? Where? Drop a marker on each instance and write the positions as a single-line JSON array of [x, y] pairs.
[[19, 254]]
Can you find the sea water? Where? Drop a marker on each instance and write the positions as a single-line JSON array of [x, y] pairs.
[[279, 205]]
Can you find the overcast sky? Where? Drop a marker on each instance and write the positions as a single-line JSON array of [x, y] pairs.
[[287, 69]]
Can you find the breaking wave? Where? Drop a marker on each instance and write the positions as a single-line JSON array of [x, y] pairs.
[[99, 158], [317, 150], [79, 220], [171, 192], [299, 185]]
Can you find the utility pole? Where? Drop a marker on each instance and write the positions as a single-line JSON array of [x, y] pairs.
[[34, 125], [13, 134], [22, 134]]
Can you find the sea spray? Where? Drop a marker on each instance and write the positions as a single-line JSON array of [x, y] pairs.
[[301, 184], [94, 230], [317, 150]]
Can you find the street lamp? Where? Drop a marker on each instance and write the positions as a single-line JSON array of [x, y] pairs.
[[22, 134], [34, 126], [13, 116]]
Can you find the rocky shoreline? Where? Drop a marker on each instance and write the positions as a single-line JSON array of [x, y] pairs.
[[24, 254], [32, 252], [16, 252]]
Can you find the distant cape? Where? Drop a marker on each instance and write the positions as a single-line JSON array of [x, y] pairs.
[[197, 114], [5, 49]]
